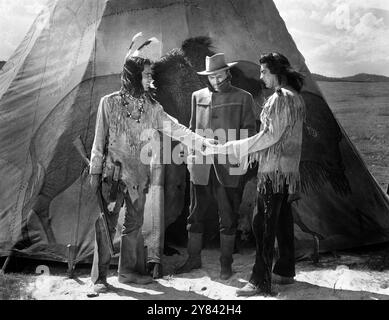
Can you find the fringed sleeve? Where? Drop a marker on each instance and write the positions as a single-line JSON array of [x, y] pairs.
[[277, 122], [172, 128], [101, 132]]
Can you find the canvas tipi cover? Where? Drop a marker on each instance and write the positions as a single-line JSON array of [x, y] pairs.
[[73, 55]]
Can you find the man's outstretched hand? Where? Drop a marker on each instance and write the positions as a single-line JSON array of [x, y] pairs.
[[212, 147]]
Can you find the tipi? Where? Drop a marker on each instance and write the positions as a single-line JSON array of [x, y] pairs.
[[73, 55]]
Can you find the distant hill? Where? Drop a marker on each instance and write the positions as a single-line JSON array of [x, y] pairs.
[[2, 63], [361, 77]]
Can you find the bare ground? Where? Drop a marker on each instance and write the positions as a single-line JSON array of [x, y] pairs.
[[346, 276]]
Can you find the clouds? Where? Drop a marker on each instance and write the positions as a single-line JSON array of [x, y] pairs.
[[340, 37], [336, 37], [369, 24], [16, 17]]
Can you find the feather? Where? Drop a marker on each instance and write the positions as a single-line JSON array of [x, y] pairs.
[[139, 34], [144, 44]]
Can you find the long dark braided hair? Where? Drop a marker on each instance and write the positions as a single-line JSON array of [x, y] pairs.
[[279, 65]]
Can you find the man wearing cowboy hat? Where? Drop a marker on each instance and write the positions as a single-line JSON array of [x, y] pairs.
[[228, 113]]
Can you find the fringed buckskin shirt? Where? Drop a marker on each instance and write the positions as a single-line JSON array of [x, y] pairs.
[[118, 137], [277, 147]]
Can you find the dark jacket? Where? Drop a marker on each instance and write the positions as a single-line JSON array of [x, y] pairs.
[[220, 111]]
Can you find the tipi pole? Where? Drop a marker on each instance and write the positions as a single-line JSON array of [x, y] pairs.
[[6, 262], [316, 249], [71, 264]]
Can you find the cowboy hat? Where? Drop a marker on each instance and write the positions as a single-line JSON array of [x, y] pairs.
[[215, 64]]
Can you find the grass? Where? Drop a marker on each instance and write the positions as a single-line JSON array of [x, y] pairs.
[[14, 287]]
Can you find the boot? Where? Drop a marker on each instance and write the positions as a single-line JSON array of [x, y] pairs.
[[248, 290], [227, 243], [128, 260], [195, 242], [155, 270], [101, 286], [251, 289], [277, 279]]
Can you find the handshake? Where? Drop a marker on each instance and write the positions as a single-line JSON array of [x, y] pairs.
[[212, 147]]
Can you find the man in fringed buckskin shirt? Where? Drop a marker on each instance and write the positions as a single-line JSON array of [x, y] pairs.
[[127, 121], [277, 148]]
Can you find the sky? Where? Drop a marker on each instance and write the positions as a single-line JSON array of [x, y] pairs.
[[340, 37], [336, 37]]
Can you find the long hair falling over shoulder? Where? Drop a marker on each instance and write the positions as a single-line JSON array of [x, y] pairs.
[[279, 65], [132, 75]]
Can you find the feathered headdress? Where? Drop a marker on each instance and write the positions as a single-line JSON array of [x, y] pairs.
[[133, 66], [141, 47]]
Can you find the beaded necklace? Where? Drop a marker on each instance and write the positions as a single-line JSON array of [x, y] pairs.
[[137, 103]]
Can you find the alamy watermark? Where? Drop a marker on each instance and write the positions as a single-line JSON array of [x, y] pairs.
[[191, 150], [343, 17]]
